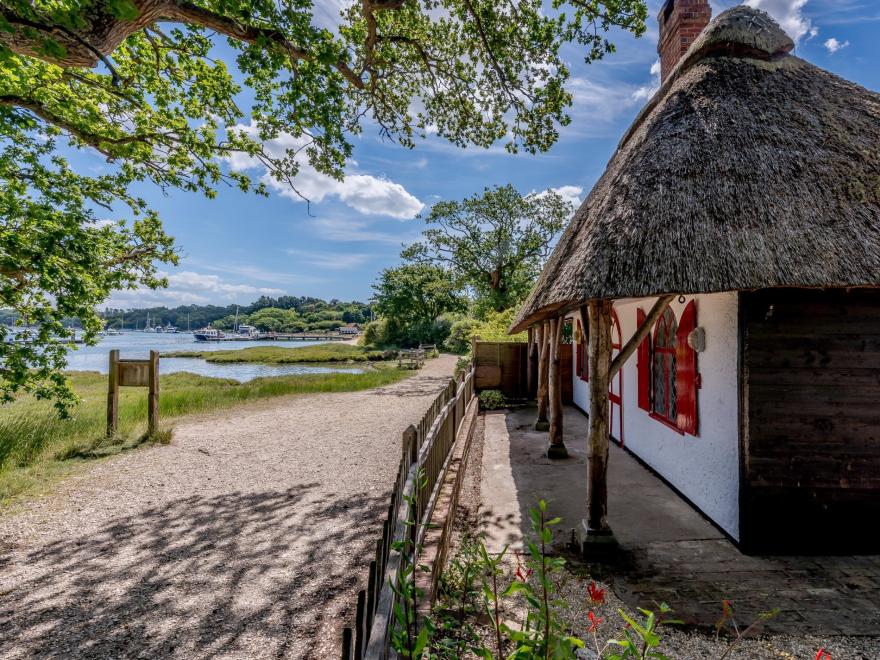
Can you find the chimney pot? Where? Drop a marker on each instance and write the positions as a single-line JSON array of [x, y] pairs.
[[681, 22]]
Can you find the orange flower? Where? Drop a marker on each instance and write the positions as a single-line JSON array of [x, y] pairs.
[[597, 595]]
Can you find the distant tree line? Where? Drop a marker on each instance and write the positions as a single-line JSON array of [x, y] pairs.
[[283, 314]]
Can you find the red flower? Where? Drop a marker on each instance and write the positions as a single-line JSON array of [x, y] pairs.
[[522, 575], [594, 622], [597, 595], [822, 654]]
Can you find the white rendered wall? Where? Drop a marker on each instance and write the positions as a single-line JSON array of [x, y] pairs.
[[705, 468]]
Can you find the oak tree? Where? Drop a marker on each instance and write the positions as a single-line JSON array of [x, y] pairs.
[[495, 242], [168, 90]]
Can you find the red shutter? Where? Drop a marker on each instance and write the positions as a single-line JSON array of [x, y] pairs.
[[644, 365], [686, 371]]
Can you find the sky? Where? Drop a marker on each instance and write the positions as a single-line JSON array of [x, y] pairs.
[[239, 246]]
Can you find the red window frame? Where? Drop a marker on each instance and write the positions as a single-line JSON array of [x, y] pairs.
[[666, 323], [687, 378]]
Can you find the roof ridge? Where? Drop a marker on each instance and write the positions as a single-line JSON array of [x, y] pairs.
[[741, 31]]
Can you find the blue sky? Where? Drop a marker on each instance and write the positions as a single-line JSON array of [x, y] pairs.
[[237, 247]]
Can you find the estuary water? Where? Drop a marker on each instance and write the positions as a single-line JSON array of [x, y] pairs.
[[139, 345]]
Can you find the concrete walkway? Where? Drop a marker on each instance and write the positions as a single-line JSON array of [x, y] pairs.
[[669, 552]]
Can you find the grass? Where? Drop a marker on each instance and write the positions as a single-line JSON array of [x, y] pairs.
[[279, 355], [36, 447]]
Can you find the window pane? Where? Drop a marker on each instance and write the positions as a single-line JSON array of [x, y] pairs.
[[673, 408], [659, 384]]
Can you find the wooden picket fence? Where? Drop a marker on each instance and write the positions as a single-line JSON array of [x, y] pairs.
[[426, 448]]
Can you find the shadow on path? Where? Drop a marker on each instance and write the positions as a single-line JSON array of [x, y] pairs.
[[234, 575]]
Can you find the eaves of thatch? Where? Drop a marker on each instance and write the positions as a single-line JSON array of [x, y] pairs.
[[750, 168]]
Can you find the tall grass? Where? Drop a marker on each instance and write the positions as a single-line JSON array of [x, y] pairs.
[[282, 355], [35, 445]]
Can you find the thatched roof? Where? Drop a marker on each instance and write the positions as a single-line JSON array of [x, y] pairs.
[[750, 168]]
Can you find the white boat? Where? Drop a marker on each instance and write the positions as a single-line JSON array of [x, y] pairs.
[[209, 334]]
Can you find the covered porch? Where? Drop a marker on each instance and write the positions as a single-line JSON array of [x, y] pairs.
[[667, 550]]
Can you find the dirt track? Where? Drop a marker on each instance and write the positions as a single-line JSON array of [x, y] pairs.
[[244, 538]]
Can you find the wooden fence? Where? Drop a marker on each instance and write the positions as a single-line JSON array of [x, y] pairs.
[[504, 366], [426, 447]]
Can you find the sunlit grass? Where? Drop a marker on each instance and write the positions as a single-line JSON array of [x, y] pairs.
[[285, 355], [37, 447]]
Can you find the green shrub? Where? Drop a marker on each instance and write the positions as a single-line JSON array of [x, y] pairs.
[[492, 400], [459, 339]]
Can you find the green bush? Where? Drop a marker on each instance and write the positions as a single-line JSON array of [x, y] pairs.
[[492, 400], [459, 339]]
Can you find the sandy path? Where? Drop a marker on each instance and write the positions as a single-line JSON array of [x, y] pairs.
[[246, 537]]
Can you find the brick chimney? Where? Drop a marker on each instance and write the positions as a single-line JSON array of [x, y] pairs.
[[681, 21]]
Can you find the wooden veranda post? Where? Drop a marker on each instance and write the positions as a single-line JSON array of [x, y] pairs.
[[530, 363], [556, 448], [595, 534], [543, 368]]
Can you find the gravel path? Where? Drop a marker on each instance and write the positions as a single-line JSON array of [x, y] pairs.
[[244, 538]]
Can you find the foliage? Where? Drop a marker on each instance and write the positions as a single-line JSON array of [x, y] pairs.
[[142, 83], [460, 333], [283, 355], [492, 400], [57, 260], [35, 444], [275, 319], [494, 243], [412, 298]]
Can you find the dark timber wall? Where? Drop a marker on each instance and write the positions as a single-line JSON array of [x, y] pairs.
[[810, 421], [502, 366]]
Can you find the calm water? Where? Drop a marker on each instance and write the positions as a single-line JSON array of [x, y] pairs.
[[139, 344]]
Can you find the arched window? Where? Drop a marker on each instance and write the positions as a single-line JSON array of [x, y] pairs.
[[663, 368]]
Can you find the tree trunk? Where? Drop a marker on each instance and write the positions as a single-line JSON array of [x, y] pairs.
[[543, 360], [597, 461], [557, 446]]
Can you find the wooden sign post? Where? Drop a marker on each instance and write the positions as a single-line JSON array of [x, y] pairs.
[[133, 373]]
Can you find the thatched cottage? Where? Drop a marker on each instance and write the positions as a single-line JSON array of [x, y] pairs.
[[733, 247]]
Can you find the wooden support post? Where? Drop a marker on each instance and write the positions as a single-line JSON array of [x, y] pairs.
[[556, 449], [641, 332], [543, 384], [113, 394], [153, 396], [530, 363], [595, 534]]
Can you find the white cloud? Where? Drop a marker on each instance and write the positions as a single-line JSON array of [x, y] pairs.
[[833, 45], [570, 194], [349, 230], [190, 288], [789, 14], [363, 192], [329, 260], [645, 92]]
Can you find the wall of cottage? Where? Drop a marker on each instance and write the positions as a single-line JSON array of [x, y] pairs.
[[704, 468]]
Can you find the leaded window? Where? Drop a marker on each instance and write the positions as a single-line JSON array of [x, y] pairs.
[[663, 399]]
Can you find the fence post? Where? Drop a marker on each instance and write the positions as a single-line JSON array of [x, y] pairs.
[[153, 400], [410, 446], [113, 394]]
